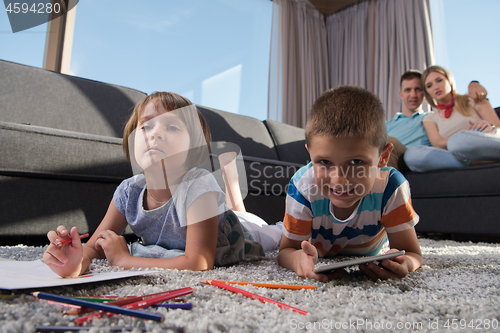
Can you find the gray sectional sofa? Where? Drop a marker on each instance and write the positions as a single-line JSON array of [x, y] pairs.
[[462, 204], [61, 154], [61, 159]]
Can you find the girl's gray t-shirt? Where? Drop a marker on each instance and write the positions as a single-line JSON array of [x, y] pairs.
[[165, 226]]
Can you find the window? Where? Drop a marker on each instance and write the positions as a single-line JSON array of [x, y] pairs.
[[216, 53], [25, 47], [465, 39]]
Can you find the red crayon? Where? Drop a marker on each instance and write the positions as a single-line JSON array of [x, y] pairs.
[[67, 241], [138, 305], [254, 296], [124, 301]]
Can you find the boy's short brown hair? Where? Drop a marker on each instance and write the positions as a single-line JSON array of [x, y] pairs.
[[348, 111]]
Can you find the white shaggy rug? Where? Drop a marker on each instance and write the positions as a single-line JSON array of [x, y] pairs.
[[456, 290]]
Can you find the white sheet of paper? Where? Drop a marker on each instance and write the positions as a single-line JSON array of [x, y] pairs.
[[35, 274]]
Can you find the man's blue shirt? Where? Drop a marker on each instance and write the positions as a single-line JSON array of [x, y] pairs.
[[408, 130]]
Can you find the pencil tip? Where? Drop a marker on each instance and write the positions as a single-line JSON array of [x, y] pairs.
[[35, 293]]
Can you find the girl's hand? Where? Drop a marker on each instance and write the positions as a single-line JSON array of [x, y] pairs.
[[64, 260], [114, 247], [481, 126], [395, 268]]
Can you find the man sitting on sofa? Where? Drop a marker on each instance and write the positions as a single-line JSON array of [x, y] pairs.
[[406, 129]]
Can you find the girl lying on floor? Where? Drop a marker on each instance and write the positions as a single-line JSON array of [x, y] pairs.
[[173, 205]]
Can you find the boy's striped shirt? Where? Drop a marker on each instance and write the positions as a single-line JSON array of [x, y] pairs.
[[386, 208]]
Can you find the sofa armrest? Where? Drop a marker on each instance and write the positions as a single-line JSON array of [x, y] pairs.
[[55, 153]]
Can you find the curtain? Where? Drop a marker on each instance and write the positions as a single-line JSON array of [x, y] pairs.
[[374, 42], [299, 61], [370, 44]]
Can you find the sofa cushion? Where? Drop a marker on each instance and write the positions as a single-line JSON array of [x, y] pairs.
[[290, 142], [249, 133], [464, 215], [33, 206], [480, 180], [61, 154], [44, 98]]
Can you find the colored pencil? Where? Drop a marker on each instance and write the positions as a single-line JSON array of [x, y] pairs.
[[124, 301], [254, 296], [103, 299], [137, 305], [267, 285], [185, 306], [99, 306], [56, 329], [73, 307], [67, 241]]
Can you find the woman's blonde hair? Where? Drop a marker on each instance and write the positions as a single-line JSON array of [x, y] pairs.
[[199, 140], [462, 102]]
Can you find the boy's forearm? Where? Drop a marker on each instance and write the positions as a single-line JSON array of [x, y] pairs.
[[287, 258]]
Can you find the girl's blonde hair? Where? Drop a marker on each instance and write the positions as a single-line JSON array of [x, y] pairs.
[[199, 148], [462, 102]]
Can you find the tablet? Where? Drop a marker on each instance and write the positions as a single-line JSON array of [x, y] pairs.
[[328, 268]]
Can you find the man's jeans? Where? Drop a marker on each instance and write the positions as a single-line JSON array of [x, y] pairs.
[[463, 147]]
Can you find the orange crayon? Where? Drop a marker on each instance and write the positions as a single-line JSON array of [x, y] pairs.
[[267, 285]]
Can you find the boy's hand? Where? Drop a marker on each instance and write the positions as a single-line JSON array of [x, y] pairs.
[[302, 260], [395, 268], [305, 265], [64, 260], [307, 258], [114, 247]]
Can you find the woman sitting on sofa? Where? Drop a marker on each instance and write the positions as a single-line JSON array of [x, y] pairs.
[[462, 131]]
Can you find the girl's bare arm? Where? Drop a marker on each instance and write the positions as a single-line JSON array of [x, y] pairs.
[[201, 241]]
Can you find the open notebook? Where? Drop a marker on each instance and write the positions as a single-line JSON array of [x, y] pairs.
[[35, 274]]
